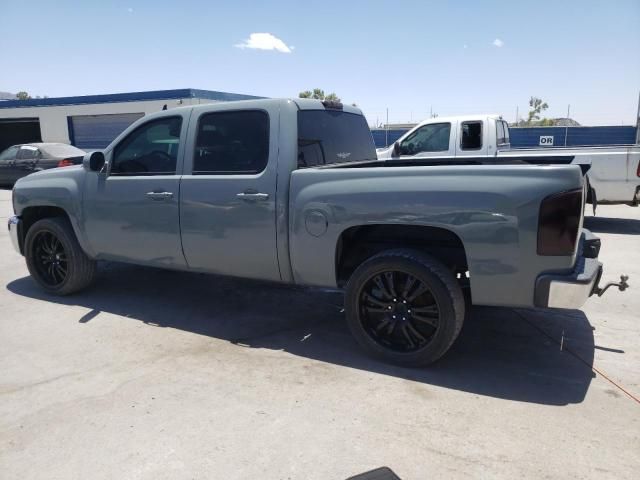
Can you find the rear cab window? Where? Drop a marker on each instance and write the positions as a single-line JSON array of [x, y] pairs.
[[502, 132], [327, 137]]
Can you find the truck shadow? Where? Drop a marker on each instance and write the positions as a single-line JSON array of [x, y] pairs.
[[501, 352], [626, 226]]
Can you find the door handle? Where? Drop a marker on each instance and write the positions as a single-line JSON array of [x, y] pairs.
[[253, 197], [159, 195]]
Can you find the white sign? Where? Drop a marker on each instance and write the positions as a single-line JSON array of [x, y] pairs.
[[546, 140]]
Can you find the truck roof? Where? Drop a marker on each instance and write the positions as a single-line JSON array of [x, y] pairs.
[[460, 118], [301, 103]]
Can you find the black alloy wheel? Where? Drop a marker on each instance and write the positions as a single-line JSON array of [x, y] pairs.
[[405, 307], [54, 257], [51, 260], [399, 311]]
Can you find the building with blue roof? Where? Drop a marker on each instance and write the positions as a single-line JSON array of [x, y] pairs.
[[92, 121]]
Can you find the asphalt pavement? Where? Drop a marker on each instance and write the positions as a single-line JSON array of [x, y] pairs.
[[156, 374]]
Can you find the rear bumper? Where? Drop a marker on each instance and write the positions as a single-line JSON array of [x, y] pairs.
[[14, 225], [572, 290]]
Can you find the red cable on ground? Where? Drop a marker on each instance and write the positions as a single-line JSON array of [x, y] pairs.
[[594, 369]]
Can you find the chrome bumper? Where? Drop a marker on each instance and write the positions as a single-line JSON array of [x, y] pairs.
[[572, 290], [14, 226]]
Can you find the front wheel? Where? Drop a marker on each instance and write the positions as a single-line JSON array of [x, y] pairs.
[[404, 307], [55, 259]]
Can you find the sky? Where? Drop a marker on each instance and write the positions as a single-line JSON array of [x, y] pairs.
[[410, 57]]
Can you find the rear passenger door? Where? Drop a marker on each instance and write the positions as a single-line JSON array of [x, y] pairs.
[[228, 192]]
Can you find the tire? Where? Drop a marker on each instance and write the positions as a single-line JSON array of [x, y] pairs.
[[374, 301], [51, 248]]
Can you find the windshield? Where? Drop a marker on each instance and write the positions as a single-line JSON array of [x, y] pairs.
[[332, 136]]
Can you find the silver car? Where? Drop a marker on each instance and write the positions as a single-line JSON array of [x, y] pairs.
[[20, 160]]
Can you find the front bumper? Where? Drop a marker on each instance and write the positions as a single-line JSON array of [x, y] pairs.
[[14, 228], [572, 290]]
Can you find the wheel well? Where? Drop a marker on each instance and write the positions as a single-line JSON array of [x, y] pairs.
[[31, 215], [356, 244]]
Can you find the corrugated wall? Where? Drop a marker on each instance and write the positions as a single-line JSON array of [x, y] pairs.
[[380, 136], [575, 136], [523, 137]]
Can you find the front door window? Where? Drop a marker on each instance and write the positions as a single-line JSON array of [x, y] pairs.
[[151, 149], [429, 138]]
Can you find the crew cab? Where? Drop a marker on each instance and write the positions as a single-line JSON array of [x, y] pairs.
[[291, 191], [614, 176]]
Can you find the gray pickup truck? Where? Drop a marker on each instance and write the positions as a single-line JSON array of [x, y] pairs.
[[291, 191]]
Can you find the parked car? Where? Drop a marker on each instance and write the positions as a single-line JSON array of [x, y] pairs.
[[291, 191], [20, 160], [614, 176]]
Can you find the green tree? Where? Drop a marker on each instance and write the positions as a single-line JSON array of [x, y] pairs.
[[23, 96], [537, 107], [318, 94]]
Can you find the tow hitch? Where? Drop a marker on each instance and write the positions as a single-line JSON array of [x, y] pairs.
[[622, 286]]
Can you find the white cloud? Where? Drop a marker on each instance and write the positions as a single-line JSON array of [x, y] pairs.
[[498, 43], [265, 41]]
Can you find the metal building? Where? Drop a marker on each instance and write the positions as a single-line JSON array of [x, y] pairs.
[[92, 121]]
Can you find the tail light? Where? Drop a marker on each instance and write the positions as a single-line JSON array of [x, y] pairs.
[[65, 163], [559, 223]]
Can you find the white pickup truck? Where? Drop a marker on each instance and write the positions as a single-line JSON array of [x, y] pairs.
[[614, 175]]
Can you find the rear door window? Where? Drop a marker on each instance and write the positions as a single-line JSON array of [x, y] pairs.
[[27, 153], [471, 138], [332, 136], [234, 142]]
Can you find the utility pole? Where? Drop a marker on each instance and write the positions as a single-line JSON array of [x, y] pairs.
[[566, 128], [638, 122], [517, 115], [386, 130]]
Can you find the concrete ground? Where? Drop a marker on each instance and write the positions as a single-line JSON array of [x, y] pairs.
[[164, 375]]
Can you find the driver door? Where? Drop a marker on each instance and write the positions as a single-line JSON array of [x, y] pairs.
[[131, 213]]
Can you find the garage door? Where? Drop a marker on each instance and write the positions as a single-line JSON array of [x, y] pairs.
[[96, 131], [19, 130]]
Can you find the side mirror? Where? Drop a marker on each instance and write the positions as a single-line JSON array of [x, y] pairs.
[[396, 150], [94, 161]]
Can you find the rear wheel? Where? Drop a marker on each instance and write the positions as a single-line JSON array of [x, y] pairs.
[[55, 259], [404, 307]]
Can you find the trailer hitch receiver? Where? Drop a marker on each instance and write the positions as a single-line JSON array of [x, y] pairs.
[[622, 286]]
